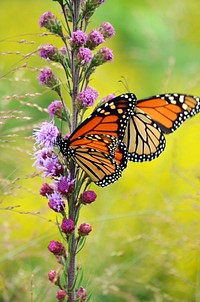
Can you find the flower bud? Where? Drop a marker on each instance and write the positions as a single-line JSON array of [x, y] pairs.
[[81, 294], [67, 226], [107, 30], [61, 294], [88, 197], [84, 229], [46, 189], [57, 248], [53, 277]]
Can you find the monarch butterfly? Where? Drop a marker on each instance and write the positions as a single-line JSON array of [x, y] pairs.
[[97, 145], [154, 116]]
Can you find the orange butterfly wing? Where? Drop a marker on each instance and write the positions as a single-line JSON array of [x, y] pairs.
[[169, 111]]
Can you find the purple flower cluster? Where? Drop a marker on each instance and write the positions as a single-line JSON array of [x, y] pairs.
[[79, 58], [87, 97]]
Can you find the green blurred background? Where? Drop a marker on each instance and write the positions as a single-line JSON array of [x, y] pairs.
[[145, 244]]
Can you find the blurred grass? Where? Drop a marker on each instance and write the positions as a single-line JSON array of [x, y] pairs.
[[145, 240]]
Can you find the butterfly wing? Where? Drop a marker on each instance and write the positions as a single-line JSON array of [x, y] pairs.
[[96, 145], [169, 111], [110, 119], [103, 164], [143, 138]]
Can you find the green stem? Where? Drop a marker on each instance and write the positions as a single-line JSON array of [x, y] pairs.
[[72, 203]]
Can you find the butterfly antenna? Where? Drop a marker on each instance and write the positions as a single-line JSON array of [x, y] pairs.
[[124, 83]]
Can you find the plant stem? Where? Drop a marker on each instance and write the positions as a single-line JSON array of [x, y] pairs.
[[72, 203], [72, 268]]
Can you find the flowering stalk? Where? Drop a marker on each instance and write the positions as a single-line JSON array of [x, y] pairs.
[[68, 191]]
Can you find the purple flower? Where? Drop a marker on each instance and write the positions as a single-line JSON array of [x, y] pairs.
[[55, 108], [67, 226], [46, 135], [64, 184], [94, 39], [41, 156], [106, 54], [102, 56], [61, 294], [49, 21], [57, 248], [107, 30], [52, 167], [87, 97], [84, 229], [46, 18], [84, 55], [56, 202], [46, 189], [63, 51], [48, 79], [88, 197], [109, 97], [49, 52], [78, 38], [48, 162], [67, 135], [81, 294]]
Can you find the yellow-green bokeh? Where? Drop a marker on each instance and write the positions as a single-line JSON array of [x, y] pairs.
[[145, 243]]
